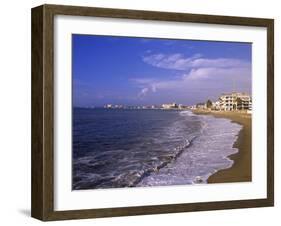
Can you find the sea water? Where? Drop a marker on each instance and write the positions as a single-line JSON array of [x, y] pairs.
[[115, 148]]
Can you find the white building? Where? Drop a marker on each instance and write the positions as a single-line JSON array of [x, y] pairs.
[[235, 101], [169, 106], [216, 105]]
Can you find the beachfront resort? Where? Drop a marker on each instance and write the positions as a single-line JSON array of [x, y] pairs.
[[235, 101]]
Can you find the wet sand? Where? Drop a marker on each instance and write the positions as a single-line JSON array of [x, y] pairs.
[[241, 170]]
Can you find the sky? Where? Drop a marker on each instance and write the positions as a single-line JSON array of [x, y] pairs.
[[153, 71]]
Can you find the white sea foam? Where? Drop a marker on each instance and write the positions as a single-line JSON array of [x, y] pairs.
[[186, 113], [208, 154]]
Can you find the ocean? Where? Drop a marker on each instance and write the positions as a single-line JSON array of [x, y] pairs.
[[114, 148]]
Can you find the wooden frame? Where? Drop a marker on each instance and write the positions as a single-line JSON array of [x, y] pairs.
[[43, 108]]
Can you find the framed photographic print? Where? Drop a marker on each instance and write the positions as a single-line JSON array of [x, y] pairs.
[[141, 112]]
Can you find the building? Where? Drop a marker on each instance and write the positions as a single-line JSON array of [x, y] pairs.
[[169, 106], [234, 101], [201, 106], [244, 102], [181, 106], [216, 105], [108, 106]]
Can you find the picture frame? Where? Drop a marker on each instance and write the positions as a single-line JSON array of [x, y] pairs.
[[43, 108]]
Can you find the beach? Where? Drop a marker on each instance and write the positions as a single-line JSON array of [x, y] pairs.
[[241, 170]]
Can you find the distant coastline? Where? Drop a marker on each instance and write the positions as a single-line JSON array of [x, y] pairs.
[[241, 170]]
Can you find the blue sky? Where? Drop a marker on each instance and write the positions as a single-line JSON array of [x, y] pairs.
[[144, 71]]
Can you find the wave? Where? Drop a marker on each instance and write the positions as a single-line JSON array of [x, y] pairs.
[[175, 147], [179, 150], [208, 154], [186, 113], [129, 178]]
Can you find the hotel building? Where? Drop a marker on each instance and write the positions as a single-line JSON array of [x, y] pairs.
[[234, 101]]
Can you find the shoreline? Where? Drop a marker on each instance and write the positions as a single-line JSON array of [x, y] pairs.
[[241, 170]]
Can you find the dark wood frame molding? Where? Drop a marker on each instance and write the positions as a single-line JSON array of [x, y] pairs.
[[42, 203]]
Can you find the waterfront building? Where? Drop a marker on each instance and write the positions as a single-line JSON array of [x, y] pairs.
[[216, 105], [169, 106], [201, 106], [234, 101]]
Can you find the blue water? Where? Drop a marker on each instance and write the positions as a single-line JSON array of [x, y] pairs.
[[115, 148]]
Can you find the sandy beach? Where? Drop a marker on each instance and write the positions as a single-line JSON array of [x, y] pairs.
[[241, 170]]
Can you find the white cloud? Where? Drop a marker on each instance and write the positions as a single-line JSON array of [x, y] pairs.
[[143, 92], [179, 62], [219, 74], [198, 73], [212, 77]]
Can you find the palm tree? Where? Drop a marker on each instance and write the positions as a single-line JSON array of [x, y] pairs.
[[209, 104], [239, 103]]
